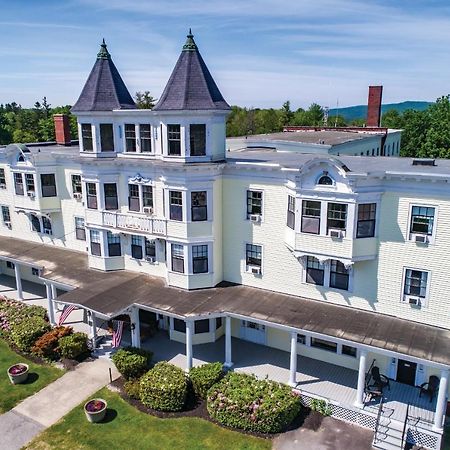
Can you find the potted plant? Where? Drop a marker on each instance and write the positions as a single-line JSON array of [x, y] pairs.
[[95, 410], [18, 373]]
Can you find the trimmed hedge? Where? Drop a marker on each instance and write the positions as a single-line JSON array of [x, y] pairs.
[[204, 377], [47, 344], [132, 362], [133, 388], [242, 401], [25, 333], [73, 346], [164, 387]]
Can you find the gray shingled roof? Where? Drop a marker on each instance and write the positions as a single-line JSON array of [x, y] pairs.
[[104, 89], [191, 86]]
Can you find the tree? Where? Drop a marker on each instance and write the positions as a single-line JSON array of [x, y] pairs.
[[315, 115], [337, 121], [437, 137], [392, 119], [286, 115], [144, 100]]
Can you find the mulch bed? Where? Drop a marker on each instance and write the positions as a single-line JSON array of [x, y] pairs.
[[197, 408]]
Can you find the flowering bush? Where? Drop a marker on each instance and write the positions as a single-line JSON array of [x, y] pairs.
[[25, 333], [73, 346], [164, 387], [243, 401], [47, 344], [131, 362], [205, 376]]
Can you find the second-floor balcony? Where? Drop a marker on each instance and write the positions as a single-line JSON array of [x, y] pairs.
[[134, 223]]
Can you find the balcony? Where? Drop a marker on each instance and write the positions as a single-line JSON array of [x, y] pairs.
[[134, 223]]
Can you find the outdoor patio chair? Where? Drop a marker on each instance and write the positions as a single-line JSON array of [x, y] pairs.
[[373, 391], [379, 379], [430, 387]]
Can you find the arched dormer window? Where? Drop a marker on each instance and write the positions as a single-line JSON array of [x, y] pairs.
[[20, 158], [325, 180]]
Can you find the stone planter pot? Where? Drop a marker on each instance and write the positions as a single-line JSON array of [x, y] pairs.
[[95, 410], [18, 373]]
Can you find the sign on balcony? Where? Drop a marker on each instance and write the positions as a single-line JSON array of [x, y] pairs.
[[136, 223]]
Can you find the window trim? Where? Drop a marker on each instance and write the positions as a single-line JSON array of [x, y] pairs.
[[127, 139], [424, 301], [290, 213], [172, 257], [85, 138], [50, 193], [79, 229], [172, 139], [103, 126], [182, 205], [203, 153], [204, 207], [327, 275], [374, 220], [249, 213], [94, 244], [248, 267], [411, 235]]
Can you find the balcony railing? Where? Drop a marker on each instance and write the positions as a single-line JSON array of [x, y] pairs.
[[136, 223]]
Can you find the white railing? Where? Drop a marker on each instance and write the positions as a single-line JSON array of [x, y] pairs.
[[137, 223]]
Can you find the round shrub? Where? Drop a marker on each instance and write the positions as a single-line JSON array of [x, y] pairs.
[[73, 346], [243, 401], [204, 377], [164, 387], [131, 362], [133, 388], [47, 344], [25, 333]]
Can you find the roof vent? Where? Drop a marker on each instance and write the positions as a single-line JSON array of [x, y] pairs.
[[424, 162]]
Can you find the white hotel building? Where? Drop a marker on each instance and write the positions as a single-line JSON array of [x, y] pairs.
[[332, 263]]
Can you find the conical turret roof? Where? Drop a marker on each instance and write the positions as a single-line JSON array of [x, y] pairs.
[[191, 86], [104, 89]]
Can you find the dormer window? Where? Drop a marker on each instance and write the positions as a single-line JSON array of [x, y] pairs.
[[174, 139], [21, 158], [130, 137], [86, 137], [198, 139], [325, 180], [107, 137]]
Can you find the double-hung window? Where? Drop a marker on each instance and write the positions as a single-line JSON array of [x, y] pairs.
[[130, 137], [150, 248], [337, 216], [18, 183], [290, 221], [145, 135], [114, 244], [199, 210], [133, 197], [198, 139], [96, 246], [147, 196], [111, 202], [6, 215], [107, 137], [86, 137], [416, 283], [253, 255], [315, 271], [80, 231], [136, 247], [254, 203], [422, 220], [200, 258], [366, 220], [176, 205], [46, 225], [174, 139], [48, 184], [311, 217], [2, 179], [177, 258], [91, 193], [76, 184], [29, 182], [339, 275]]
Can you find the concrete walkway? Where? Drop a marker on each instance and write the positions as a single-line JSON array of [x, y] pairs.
[[46, 407]]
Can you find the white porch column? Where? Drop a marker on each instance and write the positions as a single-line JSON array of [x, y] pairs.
[[54, 292], [189, 334], [135, 327], [94, 330], [441, 401], [293, 365], [359, 402], [18, 281], [228, 361], [51, 306]]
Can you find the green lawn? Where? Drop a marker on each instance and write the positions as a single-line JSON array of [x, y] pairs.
[[39, 376], [126, 427]]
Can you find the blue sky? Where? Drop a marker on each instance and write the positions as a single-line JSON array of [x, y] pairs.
[[261, 52]]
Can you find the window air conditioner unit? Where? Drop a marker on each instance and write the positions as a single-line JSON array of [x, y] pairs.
[[2, 186], [8, 224], [255, 270], [336, 233], [148, 210], [31, 194], [255, 218], [421, 238], [77, 196], [150, 259], [48, 231], [414, 301]]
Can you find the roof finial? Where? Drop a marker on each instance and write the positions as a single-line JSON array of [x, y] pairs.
[[190, 44], [103, 53]]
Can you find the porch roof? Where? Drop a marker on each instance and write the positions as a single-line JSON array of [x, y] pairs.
[[109, 293]]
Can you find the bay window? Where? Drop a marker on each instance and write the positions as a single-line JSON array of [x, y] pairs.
[[174, 139], [107, 137], [176, 205], [197, 139], [114, 248], [366, 220], [48, 185], [199, 206], [96, 247], [310, 217], [177, 258], [336, 216], [200, 258], [86, 137], [130, 137]]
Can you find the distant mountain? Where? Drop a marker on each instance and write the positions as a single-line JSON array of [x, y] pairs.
[[360, 111]]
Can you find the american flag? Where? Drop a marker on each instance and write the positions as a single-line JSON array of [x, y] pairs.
[[117, 332], [65, 313]]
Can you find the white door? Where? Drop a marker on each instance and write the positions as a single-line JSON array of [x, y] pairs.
[[253, 332]]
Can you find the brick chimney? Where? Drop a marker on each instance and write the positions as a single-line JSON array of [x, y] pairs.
[[374, 106], [62, 129]]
